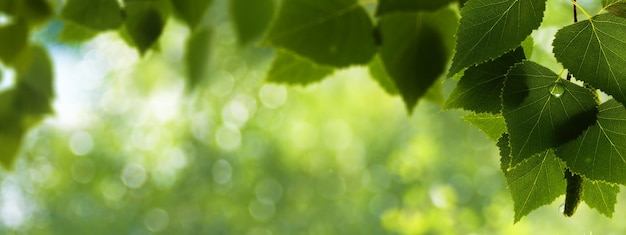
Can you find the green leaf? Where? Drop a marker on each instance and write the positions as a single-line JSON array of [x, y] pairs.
[[34, 11], [35, 82], [491, 124], [415, 50], [330, 32], [378, 73], [505, 153], [535, 182], [480, 88], [595, 51], [600, 152], [618, 8], [491, 28], [600, 196], [98, 15], [191, 11], [13, 39], [392, 6], [144, 23], [573, 192], [251, 18], [291, 69], [75, 33], [542, 110], [11, 131], [197, 55]]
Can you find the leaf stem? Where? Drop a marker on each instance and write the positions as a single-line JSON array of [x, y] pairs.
[[576, 5]]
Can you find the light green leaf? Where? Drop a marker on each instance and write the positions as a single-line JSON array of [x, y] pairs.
[[291, 69], [144, 23], [595, 51], [197, 55], [490, 28], [191, 11], [600, 152], [250, 18], [330, 32], [600, 196], [13, 39], [543, 111], [491, 124], [415, 50], [392, 6], [480, 88], [378, 73], [535, 182], [75, 33], [99, 15]]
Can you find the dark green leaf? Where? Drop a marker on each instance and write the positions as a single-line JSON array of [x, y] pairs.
[[378, 73], [391, 6], [197, 55], [97, 15], [291, 69], [491, 28], [505, 153], [251, 18], [595, 51], [35, 86], [600, 196], [535, 182], [618, 9], [11, 131], [491, 124], [599, 153], [573, 192], [415, 51], [330, 32], [480, 88], [542, 110], [34, 11], [13, 39], [191, 11], [75, 33], [144, 23]]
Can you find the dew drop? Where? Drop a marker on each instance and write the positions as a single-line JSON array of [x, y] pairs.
[[562, 208], [557, 90]]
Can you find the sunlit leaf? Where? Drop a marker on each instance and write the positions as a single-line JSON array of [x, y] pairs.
[[391, 6], [191, 11], [378, 73], [535, 182], [291, 69], [600, 152], [415, 50], [491, 28], [595, 51], [97, 15], [600, 196], [197, 55], [542, 110], [13, 39], [250, 18], [330, 32], [480, 88], [144, 23], [491, 124], [75, 33]]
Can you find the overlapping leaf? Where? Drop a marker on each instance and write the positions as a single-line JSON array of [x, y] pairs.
[[543, 111], [491, 124], [144, 23], [291, 69], [480, 88], [378, 73], [535, 182], [600, 196], [97, 15], [415, 50], [197, 55], [600, 152], [490, 28], [13, 39], [594, 51], [250, 18], [331, 32], [391, 6], [191, 11]]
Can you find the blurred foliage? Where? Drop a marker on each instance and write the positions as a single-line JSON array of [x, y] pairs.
[[131, 150]]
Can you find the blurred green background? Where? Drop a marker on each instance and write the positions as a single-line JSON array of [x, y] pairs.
[[131, 151]]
